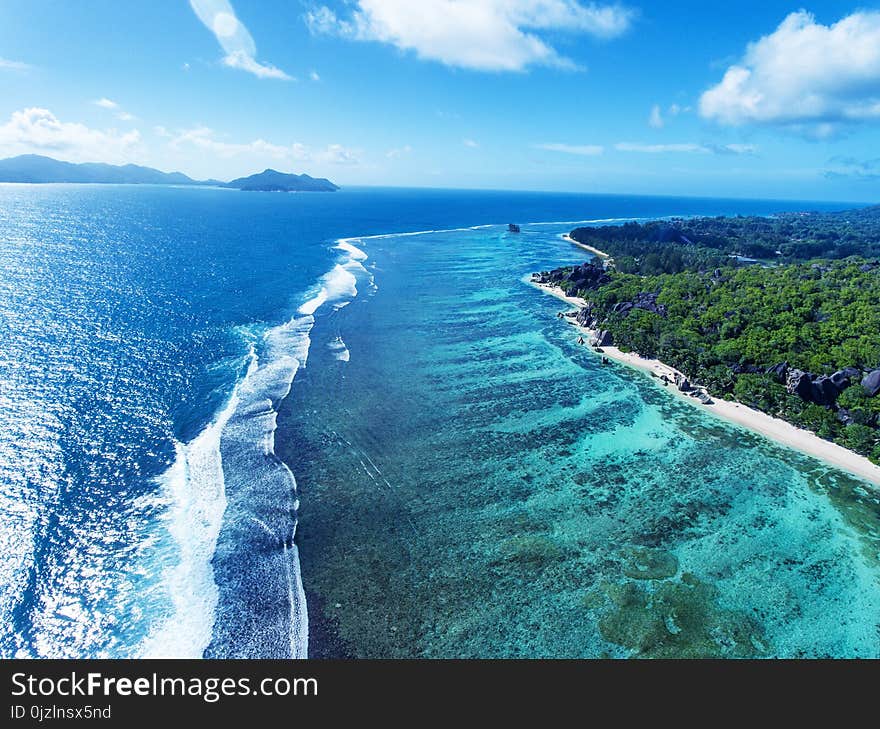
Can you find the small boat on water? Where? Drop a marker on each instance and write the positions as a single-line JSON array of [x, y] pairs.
[[512, 228]]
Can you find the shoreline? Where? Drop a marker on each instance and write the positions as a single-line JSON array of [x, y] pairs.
[[775, 429], [595, 251]]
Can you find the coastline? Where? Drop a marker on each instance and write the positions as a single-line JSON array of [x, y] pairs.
[[595, 251], [776, 429]]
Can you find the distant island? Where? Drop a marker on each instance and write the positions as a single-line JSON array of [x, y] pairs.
[[37, 169], [780, 314], [274, 181]]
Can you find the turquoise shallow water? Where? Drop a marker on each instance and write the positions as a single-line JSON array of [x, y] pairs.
[[474, 484]]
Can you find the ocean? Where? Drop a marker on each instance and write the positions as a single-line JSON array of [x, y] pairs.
[[268, 425]]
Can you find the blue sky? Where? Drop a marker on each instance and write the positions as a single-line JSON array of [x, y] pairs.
[[747, 99]]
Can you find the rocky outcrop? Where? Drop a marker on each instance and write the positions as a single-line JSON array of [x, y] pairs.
[[871, 383], [845, 377], [739, 369], [586, 318], [822, 389], [604, 338], [648, 302], [682, 383], [585, 276], [800, 383], [779, 371], [643, 300]]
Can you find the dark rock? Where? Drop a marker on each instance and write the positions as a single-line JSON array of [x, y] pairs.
[[844, 378], [604, 339], [871, 383], [844, 416], [823, 391], [683, 384], [799, 383], [779, 371], [643, 300], [739, 369], [585, 317], [648, 302]]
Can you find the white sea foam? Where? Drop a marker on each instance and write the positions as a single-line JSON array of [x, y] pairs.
[[596, 220], [356, 253], [340, 351], [409, 234], [194, 486], [336, 286]]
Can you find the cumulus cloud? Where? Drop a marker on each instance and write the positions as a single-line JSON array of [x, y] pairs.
[[39, 131], [486, 35], [804, 75], [688, 147], [205, 138], [219, 17], [581, 150]]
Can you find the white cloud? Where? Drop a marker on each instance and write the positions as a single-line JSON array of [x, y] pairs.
[[13, 65], [205, 139], [582, 150], [39, 131], [486, 35], [736, 149], [313, 75], [804, 75], [470, 143], [219, 17], [336, 154], [244, 62], [110, 105], [687, 147], [655, 118]]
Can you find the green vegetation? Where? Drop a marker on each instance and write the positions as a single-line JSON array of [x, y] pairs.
[[702, 244], [727, 328]]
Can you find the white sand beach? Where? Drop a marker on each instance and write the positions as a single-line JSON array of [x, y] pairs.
[[776, 429], [594, 251]]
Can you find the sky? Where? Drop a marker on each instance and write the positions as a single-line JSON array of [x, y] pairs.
[[740, 99]]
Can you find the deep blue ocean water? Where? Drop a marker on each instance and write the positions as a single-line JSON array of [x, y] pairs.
[[450, 474]]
